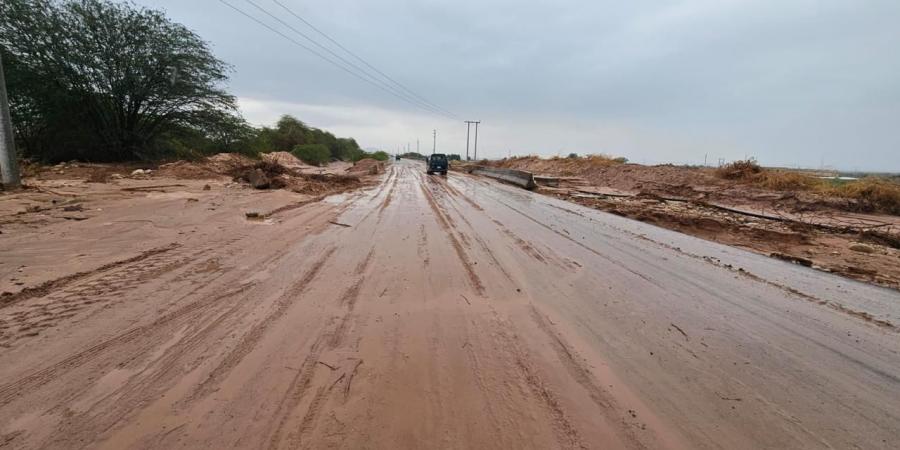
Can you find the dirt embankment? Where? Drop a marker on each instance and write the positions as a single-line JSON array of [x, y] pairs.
[[76, 191], [845, 229]]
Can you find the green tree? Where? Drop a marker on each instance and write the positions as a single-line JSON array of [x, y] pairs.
[[97, 80], [315, 154], [380, 155], [290, 132]]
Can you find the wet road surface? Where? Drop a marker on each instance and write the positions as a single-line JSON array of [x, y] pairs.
[[451, 312]]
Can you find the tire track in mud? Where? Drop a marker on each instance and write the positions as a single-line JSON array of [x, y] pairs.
[[251, 338], [584, 377], [387, 198], [862, 315], [48, 287], [590, 249], [142, 387], [331, 337], [454, 241], [10, 391], [476, 236], [567, 436], [103, 290], [422, 246], [524, 245]]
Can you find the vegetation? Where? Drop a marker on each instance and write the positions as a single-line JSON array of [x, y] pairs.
[[869, 194], [739, 170], [95, 80], [412, 155], [314, 154], [380, 155]]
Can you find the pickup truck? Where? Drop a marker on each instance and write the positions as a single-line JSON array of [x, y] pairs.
[[437, 162]]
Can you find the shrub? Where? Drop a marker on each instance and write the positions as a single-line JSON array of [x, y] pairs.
[[380, 155], [739, 170], [871, 194], [573, 155], [785, 180], [315, 154]]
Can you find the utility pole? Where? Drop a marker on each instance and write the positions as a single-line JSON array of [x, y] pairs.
[[434, 147], [9, 161], [417, 146], [476, 140], [469, 123]]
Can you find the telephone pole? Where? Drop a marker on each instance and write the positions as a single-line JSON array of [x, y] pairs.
[[476, 140], [434, 146], [9, 161], [468, 124]]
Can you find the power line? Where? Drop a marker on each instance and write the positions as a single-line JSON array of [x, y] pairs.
[[313, 51], [345, 61], [360, 59]]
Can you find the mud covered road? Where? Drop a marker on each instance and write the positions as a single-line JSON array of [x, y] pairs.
[[432, 312]]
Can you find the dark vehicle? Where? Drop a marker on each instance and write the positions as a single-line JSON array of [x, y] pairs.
[[437, 163]]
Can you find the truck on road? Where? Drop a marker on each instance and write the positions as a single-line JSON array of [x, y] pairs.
[[437, 163]]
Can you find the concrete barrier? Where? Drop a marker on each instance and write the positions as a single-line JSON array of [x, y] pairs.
[[546, 181], [517, 177]]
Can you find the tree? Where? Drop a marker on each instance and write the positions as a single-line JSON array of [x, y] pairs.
[[315, 154], [290, 132], [380, 155], [97, 80]]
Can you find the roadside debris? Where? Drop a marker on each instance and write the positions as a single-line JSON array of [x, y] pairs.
[[799, 226]]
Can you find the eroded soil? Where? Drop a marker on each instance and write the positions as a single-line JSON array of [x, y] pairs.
[[421, 312]]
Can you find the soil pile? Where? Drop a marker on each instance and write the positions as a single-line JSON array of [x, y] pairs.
[[367, 166], [271, 175], [213, 167], [285, 159]]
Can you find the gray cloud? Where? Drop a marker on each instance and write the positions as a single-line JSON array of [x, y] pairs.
[[790, 82]]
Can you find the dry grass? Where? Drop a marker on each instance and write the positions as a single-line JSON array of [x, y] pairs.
[[871, 194], [785, 180], [739, 170]]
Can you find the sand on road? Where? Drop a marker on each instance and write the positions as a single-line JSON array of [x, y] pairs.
[[433, 312]]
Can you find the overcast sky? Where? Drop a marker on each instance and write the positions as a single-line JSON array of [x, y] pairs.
[[791, 82]]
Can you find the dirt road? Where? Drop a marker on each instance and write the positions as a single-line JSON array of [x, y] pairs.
[[433, 312]]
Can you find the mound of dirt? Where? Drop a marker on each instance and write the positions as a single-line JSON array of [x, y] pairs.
[[271, 175], [213, 167], [367, 166], [264, 175], [286, 159]]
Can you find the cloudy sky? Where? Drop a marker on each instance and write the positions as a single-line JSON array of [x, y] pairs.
[[790, 82]]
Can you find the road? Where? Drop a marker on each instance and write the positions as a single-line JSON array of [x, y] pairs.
[[457, 312]]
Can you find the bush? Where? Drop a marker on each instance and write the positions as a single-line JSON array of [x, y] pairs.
[[872, 194], [573, 155], [380, 155], [315, 154], [739, 170], [785, 180]]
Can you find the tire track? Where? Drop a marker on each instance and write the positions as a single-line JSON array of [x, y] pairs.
[[11, 391], [250, 339], [583, 376], [454, 241], [48, 287], [331, 338]]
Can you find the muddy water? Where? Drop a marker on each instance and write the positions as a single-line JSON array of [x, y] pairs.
[[451, 312]]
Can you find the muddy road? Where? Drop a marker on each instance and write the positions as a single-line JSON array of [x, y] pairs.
[[432, 312]]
